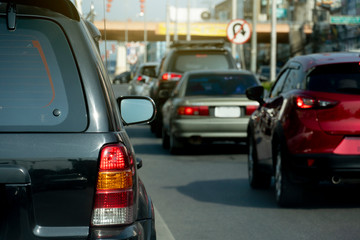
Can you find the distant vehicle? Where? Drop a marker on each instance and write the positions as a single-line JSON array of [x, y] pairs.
[[67, 166], [143, 76], [123, 77], [208, 106], [263, 73], [186, 56], [307, 131]]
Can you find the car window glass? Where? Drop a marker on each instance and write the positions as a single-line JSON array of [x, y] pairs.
[[196, 60], [148, 70], [228, 84], [339, 78], [292, 81], [39, 81], [277, 89]]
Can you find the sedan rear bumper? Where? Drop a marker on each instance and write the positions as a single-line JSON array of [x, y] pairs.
[[214, 128]]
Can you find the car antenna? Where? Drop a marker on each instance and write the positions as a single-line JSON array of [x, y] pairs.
[[11, 16]]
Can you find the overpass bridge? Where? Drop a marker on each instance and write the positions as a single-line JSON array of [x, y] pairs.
[[156, 31]]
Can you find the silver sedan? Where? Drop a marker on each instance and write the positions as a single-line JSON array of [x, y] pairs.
[[208, 106]]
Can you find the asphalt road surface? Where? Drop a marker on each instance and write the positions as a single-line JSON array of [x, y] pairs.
[[204, 194]]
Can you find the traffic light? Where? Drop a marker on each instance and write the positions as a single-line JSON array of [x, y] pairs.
[[142, 7], [108, 5]]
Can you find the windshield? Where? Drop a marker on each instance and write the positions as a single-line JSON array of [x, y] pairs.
[[185, 61], [221, 85]]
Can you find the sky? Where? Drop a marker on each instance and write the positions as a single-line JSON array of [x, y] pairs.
[[155, 10]]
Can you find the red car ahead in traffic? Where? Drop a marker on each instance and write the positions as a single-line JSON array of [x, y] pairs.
[[308, 129]]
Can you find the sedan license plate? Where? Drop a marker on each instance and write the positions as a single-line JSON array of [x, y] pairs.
[[227, 112]]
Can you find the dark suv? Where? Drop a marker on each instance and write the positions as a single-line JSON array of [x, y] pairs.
[[67, 167], [186, 56]]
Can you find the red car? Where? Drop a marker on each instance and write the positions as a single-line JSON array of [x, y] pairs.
[[308, 128]]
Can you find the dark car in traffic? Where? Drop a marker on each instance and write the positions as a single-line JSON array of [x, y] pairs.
[[307, 130], [67, 166], [186, 56], [143, 78], [208, 106]]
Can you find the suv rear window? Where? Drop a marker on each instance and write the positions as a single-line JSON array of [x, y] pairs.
[[229, 84], [40, 88], [335, 78], [188, 61]]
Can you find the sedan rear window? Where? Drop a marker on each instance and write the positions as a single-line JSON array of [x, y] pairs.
[[335, 78], [229, 84], [40, 88], [188, 61]]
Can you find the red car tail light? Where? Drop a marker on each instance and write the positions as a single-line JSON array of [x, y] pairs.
[[250, 109], [193, 110], [114, 195], [139, 78], [305, 102], [171, 76]]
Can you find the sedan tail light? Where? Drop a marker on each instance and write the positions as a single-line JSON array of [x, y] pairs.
[[139, 78], [114, 197], [193, 110], [306, 102], [250, 109], [171, 76]]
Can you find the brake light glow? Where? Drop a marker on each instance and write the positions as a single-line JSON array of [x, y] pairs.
[[303, 102], [250, 109], [193, 110], [139, 78], [114, 197], [171, 76]]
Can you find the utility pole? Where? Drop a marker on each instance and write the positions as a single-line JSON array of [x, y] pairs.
[[234, 16], [273, 42], [188, 35], [254, 37], [145, 34], [167, 38], [176, 21]]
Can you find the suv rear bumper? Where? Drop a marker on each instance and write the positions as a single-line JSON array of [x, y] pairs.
[[143, 230], [320, 167]]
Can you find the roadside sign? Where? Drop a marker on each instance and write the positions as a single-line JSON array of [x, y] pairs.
[[346, 20], [132, 59], [238, 31]]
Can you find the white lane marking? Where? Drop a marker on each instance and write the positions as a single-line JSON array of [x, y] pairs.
[[162, 230]]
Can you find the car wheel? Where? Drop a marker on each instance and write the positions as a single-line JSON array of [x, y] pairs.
[[174, 144], [257, 179], [287, 194], [165, 139]]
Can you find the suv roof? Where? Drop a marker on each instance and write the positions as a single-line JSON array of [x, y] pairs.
[[64, 7], [198, 44]]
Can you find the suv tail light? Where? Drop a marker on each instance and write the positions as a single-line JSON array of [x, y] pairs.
[[171, 76], [114, 197], [139, 78], [306, 102], [193, 110]]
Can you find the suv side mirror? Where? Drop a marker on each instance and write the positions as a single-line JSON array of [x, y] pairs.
[[136, 109], [256, 93]]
